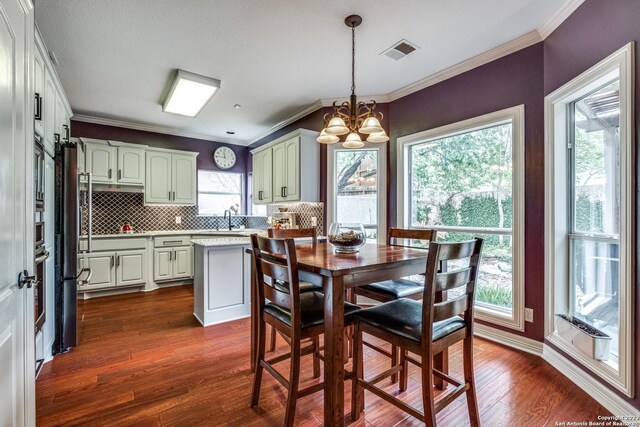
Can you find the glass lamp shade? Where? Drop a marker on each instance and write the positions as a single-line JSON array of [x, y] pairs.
[[337, 126], [378, 137], [353, 141], [326, 138], [371, 125]]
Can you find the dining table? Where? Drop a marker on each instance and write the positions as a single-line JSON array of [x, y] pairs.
[[337, 273]]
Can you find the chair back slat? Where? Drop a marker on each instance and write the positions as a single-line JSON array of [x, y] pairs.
[[450, 308], [293, 233], [437, 282], [402, 234], [452, 279], [275, 261]]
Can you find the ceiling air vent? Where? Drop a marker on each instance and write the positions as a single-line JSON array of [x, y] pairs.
[[400, 50]]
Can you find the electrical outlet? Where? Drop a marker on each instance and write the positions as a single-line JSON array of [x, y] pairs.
[[528, 315], [314, 221], [178, 220]]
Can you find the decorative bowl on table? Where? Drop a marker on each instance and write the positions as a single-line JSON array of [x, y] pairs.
[[346, 238]]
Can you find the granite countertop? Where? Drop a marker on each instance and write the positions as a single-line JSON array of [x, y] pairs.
[[222, 233], [222, 241]]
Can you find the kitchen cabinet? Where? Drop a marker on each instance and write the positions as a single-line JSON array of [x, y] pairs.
[[39, 67], [115, 163], [172, 258], [262, 177], [277, 168], [48, 112], [111, 269], [170, 177]]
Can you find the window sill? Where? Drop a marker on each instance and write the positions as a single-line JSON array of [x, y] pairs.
[[500, 317]]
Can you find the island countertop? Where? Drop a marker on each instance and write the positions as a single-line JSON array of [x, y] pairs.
[[221, 241]]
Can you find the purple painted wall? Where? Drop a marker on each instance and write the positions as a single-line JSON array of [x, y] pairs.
[[593, 32], [513, 80], [159, 140]]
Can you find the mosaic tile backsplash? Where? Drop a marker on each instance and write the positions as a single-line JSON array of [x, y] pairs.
[[112, 209], [306, 211]]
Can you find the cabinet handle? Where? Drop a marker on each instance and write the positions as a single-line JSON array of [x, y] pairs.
[[38, 105], [117, 260], [169, 195], [66, 133], [286, 193], [109, 173], [119, 174], [174, 196], [112, 262], [56, 141], [175, 255], [260, 195]]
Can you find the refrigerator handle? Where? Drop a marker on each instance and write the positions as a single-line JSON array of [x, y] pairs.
[[90, 215], [79, 221], [85, 281]]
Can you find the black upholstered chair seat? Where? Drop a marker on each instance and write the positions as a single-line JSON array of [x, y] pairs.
[[403, 317], [396, 288], [311, 307], [304, 287]]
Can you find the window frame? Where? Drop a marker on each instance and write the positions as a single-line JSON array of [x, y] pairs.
[[241, 194], [557, 223], [515, 115]]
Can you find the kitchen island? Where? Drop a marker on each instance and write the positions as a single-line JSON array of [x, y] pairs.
[[222, 279]]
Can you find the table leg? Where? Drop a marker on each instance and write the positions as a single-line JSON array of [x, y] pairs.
[[334, 351]]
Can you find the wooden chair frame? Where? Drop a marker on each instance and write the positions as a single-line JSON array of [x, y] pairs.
[[432, 311]]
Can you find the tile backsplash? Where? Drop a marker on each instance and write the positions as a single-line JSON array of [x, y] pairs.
[[112, 209], [306, 211]]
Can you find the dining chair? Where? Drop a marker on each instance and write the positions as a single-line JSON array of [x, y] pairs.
[[292, 233], [426, 329], [294, 314], [390, 290]]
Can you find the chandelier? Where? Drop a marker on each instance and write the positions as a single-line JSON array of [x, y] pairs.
[[352, 118]]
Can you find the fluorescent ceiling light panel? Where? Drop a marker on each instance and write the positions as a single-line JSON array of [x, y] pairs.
[[189, 93]]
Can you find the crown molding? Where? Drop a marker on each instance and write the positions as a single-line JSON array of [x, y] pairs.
[[558, 18], [310, 109], [154, 128], [505, 49]]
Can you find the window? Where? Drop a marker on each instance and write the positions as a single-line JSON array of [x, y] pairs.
[[219, 191], [356, 192], [589, 170], [461, 180]]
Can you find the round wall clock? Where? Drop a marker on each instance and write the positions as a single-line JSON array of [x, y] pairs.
[[224, 157]]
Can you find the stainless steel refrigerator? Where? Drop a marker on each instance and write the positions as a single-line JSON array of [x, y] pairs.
[[72, 217]]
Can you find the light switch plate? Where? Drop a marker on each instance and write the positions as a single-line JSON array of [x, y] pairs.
[[314, 221], [178, 220], [528, 315]]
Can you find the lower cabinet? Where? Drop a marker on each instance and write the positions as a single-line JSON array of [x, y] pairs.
[[172, 263], [111, 269]]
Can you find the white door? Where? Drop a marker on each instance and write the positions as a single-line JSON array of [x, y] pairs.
[[157, 188], [100, 161], [130, 165], [183, 177], [17, 364], [292, 169], [131, 267]]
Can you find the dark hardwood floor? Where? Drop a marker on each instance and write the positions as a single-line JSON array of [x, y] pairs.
[[143, 359]]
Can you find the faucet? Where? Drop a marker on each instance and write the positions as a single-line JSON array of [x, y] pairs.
[[225, 217]]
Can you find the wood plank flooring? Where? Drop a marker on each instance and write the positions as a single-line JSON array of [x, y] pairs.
[[143, 359]]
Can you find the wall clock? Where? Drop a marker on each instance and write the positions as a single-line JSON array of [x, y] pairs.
[[224, 157]]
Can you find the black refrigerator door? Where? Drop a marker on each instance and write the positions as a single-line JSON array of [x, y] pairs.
[[66, 249]]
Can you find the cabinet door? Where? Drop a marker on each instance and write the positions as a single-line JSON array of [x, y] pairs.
[[130, 267], [292, 169], [157, 188], [102, 267], [39, 89], [130, 165], [279, 172], [183, 180], [182, 262], [49, 112], [162, 264], [60, 118], [100, 162], [266, 177]]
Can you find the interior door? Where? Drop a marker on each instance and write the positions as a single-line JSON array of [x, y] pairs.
[[17, 364]]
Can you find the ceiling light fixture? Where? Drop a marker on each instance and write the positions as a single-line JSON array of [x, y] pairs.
[[352, 118], [189, 93]]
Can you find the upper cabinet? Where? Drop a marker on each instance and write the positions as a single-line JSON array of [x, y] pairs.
[[170, 177], [114, 162], [52, 112], [277, 169]]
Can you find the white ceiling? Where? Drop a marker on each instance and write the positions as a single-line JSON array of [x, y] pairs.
[[275, 58]]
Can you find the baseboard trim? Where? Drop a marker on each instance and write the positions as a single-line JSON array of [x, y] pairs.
[[623, 410], [508, 339]]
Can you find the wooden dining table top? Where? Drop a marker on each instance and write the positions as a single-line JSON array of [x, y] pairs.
[[323, 260]]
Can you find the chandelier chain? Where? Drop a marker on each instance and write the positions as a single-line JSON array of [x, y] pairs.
[[353, 60]]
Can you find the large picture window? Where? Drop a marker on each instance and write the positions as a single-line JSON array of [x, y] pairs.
[[589, 212], [219, 191], [461, 180]]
